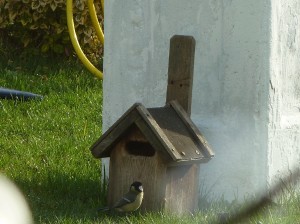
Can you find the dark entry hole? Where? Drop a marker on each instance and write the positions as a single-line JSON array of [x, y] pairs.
[[138, 148]]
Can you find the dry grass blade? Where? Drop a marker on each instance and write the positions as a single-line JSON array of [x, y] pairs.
[[255, 207]]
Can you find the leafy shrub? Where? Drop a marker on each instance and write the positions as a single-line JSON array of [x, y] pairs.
[[40, 26]]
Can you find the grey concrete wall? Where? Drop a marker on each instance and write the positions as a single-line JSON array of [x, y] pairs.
[[236, 48]]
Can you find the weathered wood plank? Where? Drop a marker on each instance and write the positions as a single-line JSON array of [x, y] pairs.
[[181, 69], [152, 125], [193, 130], [110, 136], [182, 189], [126, 168]]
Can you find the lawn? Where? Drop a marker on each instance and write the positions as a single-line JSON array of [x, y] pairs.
[[45, 144], [44, 148]]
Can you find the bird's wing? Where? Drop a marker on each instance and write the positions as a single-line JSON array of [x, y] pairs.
[[126, 199]]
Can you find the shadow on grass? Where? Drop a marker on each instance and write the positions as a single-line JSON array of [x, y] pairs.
[[59, 196]]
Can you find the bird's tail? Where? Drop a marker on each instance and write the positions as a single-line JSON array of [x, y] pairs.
[[104, 209]]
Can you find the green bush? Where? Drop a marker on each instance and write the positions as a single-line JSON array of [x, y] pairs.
[[40, 27]]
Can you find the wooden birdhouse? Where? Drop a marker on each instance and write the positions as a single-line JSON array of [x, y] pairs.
[[160, 147]]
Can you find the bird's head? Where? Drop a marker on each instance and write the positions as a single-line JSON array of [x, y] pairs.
[[136, 186]]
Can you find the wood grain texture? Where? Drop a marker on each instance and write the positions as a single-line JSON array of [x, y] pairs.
[[101, 148], [194, 132], [185, 143], [181, 70], [172, 189], [182, 189], [126, 168]]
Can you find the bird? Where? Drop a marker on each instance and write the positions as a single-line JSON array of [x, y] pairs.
[[130, 201]]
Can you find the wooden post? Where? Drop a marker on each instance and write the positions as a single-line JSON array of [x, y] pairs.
[[181, 70], [180, 83]]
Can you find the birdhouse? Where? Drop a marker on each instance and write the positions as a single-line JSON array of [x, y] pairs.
[[160, 147]]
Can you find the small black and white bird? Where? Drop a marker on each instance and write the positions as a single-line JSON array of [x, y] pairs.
[[131, 201]]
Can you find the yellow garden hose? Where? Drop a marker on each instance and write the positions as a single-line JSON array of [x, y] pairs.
[[74, 40], [94, 19]]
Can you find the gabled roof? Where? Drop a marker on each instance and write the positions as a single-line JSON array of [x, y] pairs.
[[167, 128]]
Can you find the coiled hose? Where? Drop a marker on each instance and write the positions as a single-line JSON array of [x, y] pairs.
[[73, 36]]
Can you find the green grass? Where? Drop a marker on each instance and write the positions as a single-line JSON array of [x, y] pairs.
[[45, 144], [44, 148]]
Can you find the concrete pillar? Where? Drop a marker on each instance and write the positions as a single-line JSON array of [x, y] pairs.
[[284, 90], [246, 91]]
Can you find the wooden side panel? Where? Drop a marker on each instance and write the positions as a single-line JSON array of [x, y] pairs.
[[181, 69], [182, 189], [126, 168]]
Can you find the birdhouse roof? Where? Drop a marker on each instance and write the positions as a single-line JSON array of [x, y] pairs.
[[167, 129]]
